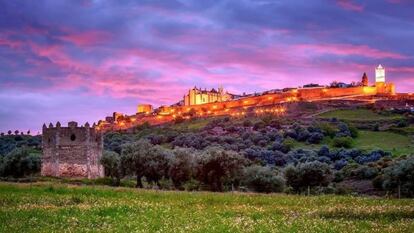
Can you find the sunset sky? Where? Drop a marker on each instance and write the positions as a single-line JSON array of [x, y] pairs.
[[83, 59]]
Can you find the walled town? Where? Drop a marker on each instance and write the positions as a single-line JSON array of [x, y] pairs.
[[203, 103], [75, 151]]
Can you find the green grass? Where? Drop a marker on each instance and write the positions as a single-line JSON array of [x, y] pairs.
[[192, 125], [396, 143], [46, 207], [359, 115]]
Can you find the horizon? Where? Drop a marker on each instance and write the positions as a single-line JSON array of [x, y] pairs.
[[56, 67]]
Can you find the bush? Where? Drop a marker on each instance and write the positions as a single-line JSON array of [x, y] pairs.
[[288, 145], [20, 163], [247, 123], [402, 123], [327, 129], [259, 125], [263, 179], [345, 142], [315, 138], [343, 130], [365, 172]]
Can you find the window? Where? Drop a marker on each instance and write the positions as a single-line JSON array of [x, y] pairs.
[[72, 137]]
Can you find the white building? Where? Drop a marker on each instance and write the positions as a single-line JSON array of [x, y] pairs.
[[380, 74]]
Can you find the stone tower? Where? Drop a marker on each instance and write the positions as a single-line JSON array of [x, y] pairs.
[[72, 151]]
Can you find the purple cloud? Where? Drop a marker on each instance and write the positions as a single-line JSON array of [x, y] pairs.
[[82, 60]]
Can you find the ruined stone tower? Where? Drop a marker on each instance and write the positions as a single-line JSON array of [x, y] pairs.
[[72, 151]]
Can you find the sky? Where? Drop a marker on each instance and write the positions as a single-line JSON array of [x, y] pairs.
[[63, 60]]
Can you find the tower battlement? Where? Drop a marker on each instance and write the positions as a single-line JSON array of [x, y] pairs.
[[72, 151]]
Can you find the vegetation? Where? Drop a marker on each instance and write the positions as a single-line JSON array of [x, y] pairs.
[[19, 162], [361, 114], [398, 144], [47, 207], [261, 154]]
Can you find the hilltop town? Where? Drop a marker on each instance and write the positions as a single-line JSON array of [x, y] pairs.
[[75, 151], [205, 103]]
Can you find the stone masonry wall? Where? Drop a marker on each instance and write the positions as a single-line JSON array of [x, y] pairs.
[[71, 151]]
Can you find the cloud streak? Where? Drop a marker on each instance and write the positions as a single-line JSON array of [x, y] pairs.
[[133, 52]]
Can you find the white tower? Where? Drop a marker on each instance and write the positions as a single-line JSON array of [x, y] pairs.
[[380, 74]]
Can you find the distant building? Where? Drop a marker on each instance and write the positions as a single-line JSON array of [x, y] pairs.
[[197, 96], [144, 108]]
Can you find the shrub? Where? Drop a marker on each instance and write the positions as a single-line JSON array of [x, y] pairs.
[[345, 142], [402, 123], [378, 181], [354, 131], [307, 175], [343, 130], [247, 123], [315, 138], [365, 172], [259, 125], [288, 145], [324, 151], [339, 164], [263, 179], [19, 163], [327, 129]]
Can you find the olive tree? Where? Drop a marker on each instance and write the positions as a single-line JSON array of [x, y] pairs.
[[216, 167], [263, 179], [308, 174], [399, 177], [182, 166], [111, 161], [133, 159]]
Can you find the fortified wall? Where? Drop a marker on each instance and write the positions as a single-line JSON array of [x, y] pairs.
[[72, 151], [276, 102]]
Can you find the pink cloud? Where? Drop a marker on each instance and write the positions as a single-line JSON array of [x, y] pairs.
[[86, 38], [350, 5], [348, 50]]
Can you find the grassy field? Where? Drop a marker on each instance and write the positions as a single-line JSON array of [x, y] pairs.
[[358, 115], [45, 207], [396, 143]]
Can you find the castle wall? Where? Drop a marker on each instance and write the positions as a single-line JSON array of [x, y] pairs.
[[246, 104], [71, 152], [319, 93]]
